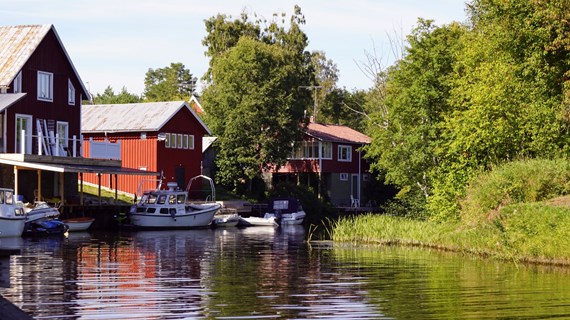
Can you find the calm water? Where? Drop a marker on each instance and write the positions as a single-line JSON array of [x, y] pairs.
[[258, 273]]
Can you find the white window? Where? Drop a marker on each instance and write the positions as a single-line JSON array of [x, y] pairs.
[[63, 137], [185, 144], [23, 122], [70, 93], [180, 141], [344, 153], [167, 140], [326, 150], [173, 143], [18, 83], [344, 177], [45, 86], [191, 141]]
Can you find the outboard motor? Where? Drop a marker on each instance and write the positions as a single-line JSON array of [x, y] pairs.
[[278, 216]]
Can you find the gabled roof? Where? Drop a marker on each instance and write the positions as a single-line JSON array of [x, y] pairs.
[[336, 133], [131, 117], [18, 43]]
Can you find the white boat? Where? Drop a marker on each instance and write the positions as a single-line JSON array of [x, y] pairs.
[[12, 216], [257, 221], [39, 211], [169, 209], [226, 220], [286, 211], [79, 224]]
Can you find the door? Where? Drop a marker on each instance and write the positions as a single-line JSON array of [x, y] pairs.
[[179, 173], [355, 190], [23, 122]]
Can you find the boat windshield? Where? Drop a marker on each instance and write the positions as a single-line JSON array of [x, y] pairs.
[[148, 198]]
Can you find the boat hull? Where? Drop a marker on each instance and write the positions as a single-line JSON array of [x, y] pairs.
[[12, 226], [294, 218], [193, 219], [257, 221], [226, 220], [79, 224]]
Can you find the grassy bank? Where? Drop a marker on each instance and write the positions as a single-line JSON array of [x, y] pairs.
[[513, 213]]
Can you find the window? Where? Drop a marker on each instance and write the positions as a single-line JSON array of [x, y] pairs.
[[191, 142], [63, 136], [173, 140], [70, 93], [185, 144], [310, 150], [326, 152], [344, 177], [180, 141], [23, 122], [45, 86], [18, 83], [344, 153], [167, 140]]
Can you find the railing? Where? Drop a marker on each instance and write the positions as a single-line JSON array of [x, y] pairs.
[[51, 145]]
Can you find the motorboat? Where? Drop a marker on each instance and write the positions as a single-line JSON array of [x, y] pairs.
[[168, 208], [286, 211], [39, 211], [45, 227], [257, 222], [12, 216], [79, 223], [226, 220]]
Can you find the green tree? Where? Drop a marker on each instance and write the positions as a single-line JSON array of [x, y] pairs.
[[109, 97], [169, 83], [253, 109]]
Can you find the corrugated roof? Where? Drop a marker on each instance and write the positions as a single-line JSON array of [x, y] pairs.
[[18, 43], [131, 117], [336, 133]]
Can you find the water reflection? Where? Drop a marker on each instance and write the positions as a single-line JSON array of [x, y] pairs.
[[266, 273]]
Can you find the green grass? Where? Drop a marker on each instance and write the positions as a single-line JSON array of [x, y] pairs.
[[93, 192]]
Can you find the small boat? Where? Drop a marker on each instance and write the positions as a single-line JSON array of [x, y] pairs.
[[257, 221], [286, 211], [12, 216], [45, 227], [226, 220], [79, 224], [168, 209], [39, 210]]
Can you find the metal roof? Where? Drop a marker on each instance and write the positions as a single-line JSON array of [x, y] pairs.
[[336, 133], [131, 117], [7, 99], [18, 43]]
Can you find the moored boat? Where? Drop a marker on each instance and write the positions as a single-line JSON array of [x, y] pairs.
[[79, 224], [226, 220], [12, 216], [286, 211], [168, 209], [258, 222]]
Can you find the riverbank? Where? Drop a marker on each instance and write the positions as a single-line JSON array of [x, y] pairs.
[[528, 232]]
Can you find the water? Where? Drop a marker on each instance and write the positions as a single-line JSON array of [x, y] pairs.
[[260, 273]]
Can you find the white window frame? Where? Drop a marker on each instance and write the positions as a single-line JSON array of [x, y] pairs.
[[167, 140], [180, 142], [18, 83], [173, 140], [62, 128], [28, 129], [191, 141], [344, 150], [185, 143], [70, 93], [45, 86], [326, 150]]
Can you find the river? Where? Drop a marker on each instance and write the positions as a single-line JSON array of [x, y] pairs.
[[261, 273]]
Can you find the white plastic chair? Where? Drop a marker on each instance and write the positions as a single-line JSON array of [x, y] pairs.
[[355, 203]]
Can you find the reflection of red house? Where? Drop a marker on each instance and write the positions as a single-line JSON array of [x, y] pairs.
[[156, 136], [332, 152]]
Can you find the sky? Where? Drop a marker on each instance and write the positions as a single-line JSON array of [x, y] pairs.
[[115, 42]]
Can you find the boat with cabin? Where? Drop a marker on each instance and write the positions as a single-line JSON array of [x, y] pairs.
[[286, 211], [169, 208], [12, 216]]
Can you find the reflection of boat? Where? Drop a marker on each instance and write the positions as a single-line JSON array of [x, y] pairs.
[[226, 220], [12, 217], [286, 211], [257, 221], [168, 209], [79, 224]]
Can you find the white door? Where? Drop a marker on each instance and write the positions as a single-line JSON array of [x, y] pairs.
[[23, 122]]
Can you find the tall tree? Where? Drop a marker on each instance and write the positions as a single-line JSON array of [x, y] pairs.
[[109, 97], [169, 83]]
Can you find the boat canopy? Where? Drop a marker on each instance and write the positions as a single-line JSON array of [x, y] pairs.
[[284, 205]]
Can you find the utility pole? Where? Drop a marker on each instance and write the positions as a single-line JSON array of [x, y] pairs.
[[315, 104]]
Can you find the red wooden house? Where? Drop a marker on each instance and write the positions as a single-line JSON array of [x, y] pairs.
[[330, 160], [155, 136], [40, 109]]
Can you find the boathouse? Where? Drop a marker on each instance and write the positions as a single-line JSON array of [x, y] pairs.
[[40, 117], [164, 137], [329, 159]]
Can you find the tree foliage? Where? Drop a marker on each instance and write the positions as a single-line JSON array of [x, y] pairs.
[[109, 97], [252, 100], [174, 82]]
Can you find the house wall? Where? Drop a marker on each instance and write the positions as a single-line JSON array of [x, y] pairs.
[[50, 57]]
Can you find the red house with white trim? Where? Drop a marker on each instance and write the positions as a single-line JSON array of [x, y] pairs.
[[333, 153], [155, 136]]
